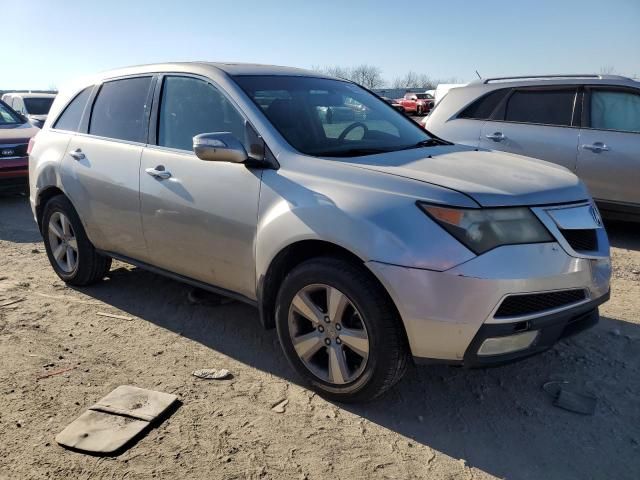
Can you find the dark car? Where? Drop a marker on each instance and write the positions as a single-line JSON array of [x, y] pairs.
[[15, 133], [394, 104]]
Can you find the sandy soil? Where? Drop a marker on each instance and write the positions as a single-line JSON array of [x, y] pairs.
[[439, 422]]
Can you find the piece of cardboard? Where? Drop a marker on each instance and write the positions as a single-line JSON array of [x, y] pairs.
[[135, 402]]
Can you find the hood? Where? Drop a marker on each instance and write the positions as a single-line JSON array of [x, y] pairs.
[[491, 178], [17, 133]]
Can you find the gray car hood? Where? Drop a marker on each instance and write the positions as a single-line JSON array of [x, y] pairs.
[[491, 178]]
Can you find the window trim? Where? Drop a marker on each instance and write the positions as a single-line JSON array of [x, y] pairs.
[[586, 110], [154, 123], [501, 108], [98, 88]]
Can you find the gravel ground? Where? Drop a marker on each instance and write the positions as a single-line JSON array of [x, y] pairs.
[[439, 422]]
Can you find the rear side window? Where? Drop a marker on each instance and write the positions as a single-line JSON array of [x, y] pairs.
[[120, 110], [547, 107], [615, 110], [72, 115], [482, 108]]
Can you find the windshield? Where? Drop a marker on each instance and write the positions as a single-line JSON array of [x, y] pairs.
[[423, 96], [38, 106], [332, 118], [8, 116]]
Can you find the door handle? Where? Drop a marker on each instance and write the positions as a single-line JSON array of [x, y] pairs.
[[496, 137], [596, 147], [77, 154], [159, 172]]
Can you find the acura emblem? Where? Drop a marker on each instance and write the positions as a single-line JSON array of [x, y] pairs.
[[595, 215], [7, 152]]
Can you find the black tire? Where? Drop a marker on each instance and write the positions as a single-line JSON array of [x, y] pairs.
[[388, 351], [91, 266]]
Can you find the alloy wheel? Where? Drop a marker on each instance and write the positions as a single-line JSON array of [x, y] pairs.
[[63, 242], [328, 334]]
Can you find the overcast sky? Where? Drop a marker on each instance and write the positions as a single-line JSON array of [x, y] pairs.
[[46, 43]]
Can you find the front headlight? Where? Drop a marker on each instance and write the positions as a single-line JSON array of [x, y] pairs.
[[482, 229]]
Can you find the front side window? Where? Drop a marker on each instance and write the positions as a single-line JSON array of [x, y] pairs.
[[547, 107], [120, 109], [333, 118], [8, 116], [38, 106], [189, 107], [72, 115], [615, 110]]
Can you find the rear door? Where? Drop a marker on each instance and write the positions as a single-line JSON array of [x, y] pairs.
[[540, 122], [609, 153], [102, 165]]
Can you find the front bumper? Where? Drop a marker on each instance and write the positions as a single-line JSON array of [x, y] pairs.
[[446, 313]]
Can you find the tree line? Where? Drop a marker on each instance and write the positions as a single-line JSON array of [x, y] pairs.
[[370, 76]]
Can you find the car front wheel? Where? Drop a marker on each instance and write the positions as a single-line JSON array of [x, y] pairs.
[[339, 331]]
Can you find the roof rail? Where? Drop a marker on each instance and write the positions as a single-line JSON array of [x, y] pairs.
[[559, 76]]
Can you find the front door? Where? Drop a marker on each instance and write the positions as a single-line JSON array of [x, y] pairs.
[[101, 168], [536, 123], [609, 153], [199, 220]]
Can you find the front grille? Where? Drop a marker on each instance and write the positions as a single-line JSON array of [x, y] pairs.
[[528, 304], [581, 240], [13, 150]]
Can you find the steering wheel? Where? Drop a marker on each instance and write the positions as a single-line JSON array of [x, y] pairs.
[[353, 126]]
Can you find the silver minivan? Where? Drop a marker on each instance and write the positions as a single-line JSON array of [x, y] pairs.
[[367, 242], [589, 124]]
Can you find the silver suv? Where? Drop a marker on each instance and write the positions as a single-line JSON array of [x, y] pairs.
[[589, 124], [364, 240]]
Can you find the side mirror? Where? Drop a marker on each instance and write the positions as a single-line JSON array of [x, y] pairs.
[[219, 147]]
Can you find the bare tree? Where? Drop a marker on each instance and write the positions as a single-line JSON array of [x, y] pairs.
[[368, 76], [607, 70], [409, 80]]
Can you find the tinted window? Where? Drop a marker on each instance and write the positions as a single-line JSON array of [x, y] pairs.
[[38, 106], [120, 110], [615, 110], [482, 108], [548, 107], [8, 116], [326, 117], [70, 118], [189, 107]]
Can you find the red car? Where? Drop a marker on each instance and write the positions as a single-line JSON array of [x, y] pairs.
[[417, 103], [15, 133]]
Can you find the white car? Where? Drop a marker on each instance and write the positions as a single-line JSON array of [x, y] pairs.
[[589, 124]]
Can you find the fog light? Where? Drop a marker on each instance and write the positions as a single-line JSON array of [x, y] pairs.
[[511, 343]]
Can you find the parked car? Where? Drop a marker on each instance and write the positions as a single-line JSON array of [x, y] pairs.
[[589, 124], [365, 243], [15, 132], [35, 106], [394, 104], [417, 103]]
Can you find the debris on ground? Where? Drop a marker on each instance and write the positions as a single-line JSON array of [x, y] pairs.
[[280, 407], [11, 302], [211, 373], [112, 315], [57, 372], [115, 420], [569, 399]]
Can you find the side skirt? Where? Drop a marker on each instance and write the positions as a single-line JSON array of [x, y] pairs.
[[181, 278]]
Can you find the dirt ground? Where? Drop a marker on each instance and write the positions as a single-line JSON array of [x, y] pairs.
[[439, 422]]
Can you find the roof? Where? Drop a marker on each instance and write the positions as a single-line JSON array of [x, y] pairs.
[[31, 95], [570, 77]]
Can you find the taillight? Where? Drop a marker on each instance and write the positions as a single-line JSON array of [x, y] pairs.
[[32, 142]]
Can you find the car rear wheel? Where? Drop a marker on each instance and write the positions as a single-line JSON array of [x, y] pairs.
[[339, 330], [71, 254]]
